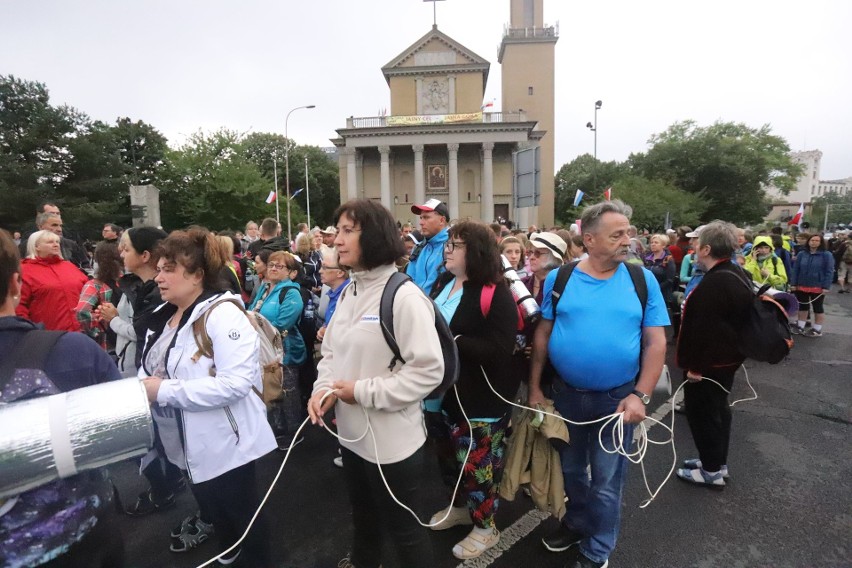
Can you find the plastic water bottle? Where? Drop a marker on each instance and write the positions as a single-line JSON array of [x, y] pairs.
[[309, 309]]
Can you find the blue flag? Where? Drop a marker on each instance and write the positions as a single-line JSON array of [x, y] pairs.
[[298, 191], [578, 197]]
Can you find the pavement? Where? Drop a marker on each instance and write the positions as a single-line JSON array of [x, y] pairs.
[[788, 502]]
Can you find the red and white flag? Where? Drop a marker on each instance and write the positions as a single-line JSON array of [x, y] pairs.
[[271, 197], [608, 193], [797, 218]]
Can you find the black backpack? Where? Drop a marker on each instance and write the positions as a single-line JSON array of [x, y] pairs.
[[765, 335], [565, 271], [445, 336]]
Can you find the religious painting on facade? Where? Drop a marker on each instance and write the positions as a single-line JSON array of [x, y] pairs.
[[437, 176]]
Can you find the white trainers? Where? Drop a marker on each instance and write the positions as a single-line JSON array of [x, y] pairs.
[[457, 516], [478, 541]]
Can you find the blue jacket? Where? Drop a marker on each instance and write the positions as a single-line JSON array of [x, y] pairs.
[[285, 317], [429, 263], [813, 269]]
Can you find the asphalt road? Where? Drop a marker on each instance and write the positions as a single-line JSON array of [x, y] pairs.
[[788, 503]]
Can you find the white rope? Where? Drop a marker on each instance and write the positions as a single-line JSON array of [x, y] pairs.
[[636, 457]]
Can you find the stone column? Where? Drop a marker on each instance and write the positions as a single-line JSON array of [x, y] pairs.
[[385, 176], [486, 210], [419, 173], [351, 183], [453, 174]]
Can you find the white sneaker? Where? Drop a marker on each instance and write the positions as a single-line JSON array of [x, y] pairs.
[[475, 543], [457, 516]]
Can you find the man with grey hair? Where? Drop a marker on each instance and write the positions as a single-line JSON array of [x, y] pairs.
[[708, 347], [608, 350], [51, 220]]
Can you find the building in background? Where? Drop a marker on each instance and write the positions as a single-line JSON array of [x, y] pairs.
[[442, 140]]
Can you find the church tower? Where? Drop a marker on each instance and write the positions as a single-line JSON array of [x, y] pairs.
[[527, 58]]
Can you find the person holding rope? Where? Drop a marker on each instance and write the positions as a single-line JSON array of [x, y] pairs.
[[608, 350], [716, 309], [811, 281]]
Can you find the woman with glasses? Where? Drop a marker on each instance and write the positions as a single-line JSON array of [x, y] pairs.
[[280, 301], [368, 393], [483, 317], [548, 252]]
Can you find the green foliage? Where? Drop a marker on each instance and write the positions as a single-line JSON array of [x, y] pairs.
[[34, 158], [651, 200], [579, 174], [727, 163], [839, 210], [209, 181]]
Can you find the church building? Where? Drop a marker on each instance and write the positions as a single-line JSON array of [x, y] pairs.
[[440, 141]]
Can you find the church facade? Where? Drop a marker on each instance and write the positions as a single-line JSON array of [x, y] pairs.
[[440, 141]]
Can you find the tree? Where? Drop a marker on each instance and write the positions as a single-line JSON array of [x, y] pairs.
[[839, 210], [728, 163], [261, 147], [578, 174], [34, 158], [653, 200], [209, 181]]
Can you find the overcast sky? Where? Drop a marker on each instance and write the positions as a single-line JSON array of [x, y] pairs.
[[184, 66]]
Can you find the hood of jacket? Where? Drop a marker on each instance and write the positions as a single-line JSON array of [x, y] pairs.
[[764, 241]]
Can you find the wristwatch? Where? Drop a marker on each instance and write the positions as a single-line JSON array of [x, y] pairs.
[[646, 400]]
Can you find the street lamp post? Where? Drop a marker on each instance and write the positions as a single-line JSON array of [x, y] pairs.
[[287, 167], [594, 128]]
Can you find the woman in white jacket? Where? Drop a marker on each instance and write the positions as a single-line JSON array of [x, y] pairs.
[[355, 364], [221, 422]]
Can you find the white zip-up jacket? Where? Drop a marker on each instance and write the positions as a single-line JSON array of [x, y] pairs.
[[223, 421], [354, 349]]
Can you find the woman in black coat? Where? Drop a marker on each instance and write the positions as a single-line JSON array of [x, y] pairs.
[[483, 317]]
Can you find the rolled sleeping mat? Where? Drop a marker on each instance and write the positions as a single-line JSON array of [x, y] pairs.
[[788, 301], [58, 436]]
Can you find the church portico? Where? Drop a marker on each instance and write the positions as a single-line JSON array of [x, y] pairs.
[[437, 142]]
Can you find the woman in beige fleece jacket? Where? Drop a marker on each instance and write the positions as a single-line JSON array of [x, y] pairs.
[[355, 364]]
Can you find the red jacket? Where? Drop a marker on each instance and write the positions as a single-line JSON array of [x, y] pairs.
[[50, 292]]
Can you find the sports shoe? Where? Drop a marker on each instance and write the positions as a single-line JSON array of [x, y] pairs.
[[457, 516], [695, 463], [583, 561], [285, 441], [145, 504], [796, 330], [476, 542], [196, 534], [230, 558], [702, 477], [184, 526], [811, 332], [561, 539]]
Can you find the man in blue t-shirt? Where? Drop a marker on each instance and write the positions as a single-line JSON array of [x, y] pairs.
[[426, 262], [609, 353]]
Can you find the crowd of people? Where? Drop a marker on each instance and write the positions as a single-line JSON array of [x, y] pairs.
[[170, 309]]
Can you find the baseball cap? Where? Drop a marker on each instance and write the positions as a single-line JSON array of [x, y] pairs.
[[550, 241], [330, 230], [435, 205], [696, 232]]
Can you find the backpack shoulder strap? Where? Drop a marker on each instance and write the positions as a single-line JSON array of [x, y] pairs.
[[638, 276], [199, 330], [396, 280], [486, 297], [29, 353], [562, 277]]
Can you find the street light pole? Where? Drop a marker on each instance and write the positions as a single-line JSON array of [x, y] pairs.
[[307, 192], [287, 166], [594, 128]]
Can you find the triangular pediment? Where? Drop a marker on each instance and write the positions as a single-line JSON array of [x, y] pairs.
[[434, 52]]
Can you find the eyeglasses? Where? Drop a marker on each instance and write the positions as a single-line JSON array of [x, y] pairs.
[[453, 245], [538, 252], [324, 267], [276, 266]]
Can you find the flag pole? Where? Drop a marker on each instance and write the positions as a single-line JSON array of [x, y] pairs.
[[307, 192], [275, 174]]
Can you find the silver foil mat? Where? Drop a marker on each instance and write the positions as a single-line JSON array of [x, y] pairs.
[[56, 436]]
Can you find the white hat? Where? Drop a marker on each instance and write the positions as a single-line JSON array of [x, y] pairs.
[[551, 242], [695, 233], [330, 230]]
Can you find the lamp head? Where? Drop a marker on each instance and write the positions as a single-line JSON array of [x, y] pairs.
[[598, 104], [589, 126], [315, 106]]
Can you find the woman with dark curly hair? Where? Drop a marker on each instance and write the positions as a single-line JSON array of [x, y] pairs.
[[483, 317], [99, 291]]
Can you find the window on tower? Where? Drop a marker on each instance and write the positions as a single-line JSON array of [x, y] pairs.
[[529, 90]]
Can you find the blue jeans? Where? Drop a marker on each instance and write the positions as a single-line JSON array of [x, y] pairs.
[[594, 504]]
